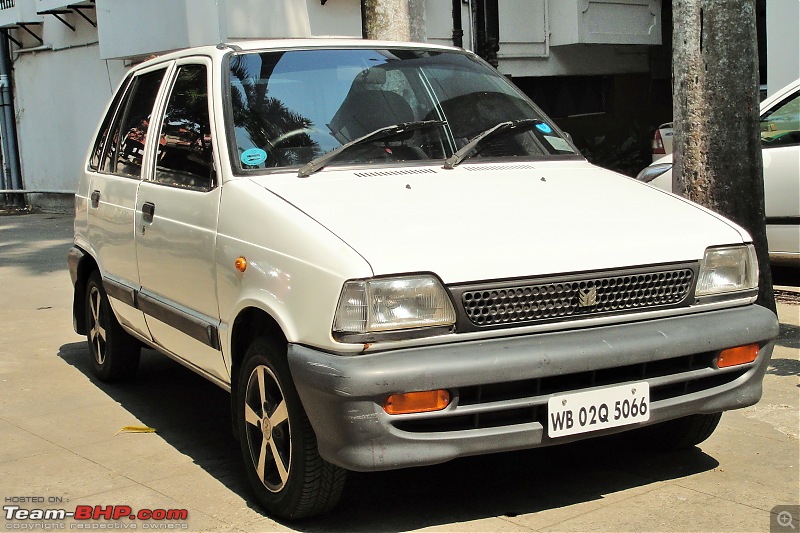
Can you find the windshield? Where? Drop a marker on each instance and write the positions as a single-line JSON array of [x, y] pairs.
[[288, 108]]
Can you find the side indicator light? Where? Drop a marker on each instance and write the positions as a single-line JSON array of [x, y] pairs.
[[737, 356], [417, 402], [240, 264]]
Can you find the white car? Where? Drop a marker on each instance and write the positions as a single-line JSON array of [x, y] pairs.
[[391, 258], [780, 140], [662, 141]]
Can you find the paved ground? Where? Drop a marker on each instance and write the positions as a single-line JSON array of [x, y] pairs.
[[57, 441]]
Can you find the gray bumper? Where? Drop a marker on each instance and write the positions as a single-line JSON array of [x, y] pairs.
[[503, 385]]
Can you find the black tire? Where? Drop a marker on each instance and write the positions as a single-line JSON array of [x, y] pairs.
[[114, 353], [293, 481], [681, 433]]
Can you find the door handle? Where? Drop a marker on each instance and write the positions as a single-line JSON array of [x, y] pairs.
[[148, 210], [95, 198]]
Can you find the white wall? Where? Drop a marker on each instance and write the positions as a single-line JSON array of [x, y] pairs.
[[140, 27], [783, 43], [144, 27], [60, 97]]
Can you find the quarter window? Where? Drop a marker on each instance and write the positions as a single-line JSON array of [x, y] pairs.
[[185, 155], [129, 136], [102, 137]]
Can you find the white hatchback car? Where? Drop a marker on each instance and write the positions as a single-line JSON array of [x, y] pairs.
[[780, 140], [390, 257]]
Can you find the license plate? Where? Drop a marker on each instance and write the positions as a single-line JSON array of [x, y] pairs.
[[581, 412]]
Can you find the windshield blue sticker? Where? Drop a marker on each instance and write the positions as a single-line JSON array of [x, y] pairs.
[[253, 156], [544, 128]]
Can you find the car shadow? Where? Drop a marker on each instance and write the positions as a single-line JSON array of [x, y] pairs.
[[192, 415]]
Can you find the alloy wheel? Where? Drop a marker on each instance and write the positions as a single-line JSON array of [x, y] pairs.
[[97, 329], [268, 428]]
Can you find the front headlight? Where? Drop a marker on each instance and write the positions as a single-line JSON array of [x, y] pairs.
[[386, 308], [650, 173], [728, 269]]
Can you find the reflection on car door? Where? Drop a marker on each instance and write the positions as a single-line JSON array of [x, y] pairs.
[[176, 219], [115, 169]]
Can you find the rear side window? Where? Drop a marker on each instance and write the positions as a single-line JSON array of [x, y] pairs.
[[185, 157], [102, 136], [129, 135], [781, 125]]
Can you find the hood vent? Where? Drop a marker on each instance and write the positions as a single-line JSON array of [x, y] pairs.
[[486, 168], [404, 172]]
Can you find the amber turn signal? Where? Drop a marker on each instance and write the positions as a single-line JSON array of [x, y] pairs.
[[240, 264], [737, 356], [416, 402]]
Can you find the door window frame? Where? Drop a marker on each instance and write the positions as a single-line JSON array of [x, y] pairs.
[[170, 77]]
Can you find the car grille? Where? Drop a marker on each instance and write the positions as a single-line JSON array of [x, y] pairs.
[[575, 296]]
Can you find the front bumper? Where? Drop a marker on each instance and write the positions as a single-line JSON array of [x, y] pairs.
[[500, 387]]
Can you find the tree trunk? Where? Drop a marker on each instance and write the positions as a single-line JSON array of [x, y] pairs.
[[716, 144], [394, 20]]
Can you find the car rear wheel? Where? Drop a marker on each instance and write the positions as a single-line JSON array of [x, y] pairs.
[[681, 433], [115, 354], [289, 477]]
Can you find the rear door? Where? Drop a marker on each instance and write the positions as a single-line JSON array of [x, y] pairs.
[[176, 223], [114, 174]]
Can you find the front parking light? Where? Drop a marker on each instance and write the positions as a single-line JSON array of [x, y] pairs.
[[416, 402], [737, 356]]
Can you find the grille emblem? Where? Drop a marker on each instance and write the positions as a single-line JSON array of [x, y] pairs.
[[587, 298]]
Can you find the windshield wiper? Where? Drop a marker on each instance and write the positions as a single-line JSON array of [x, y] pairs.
[[511, 126], [381, 133]]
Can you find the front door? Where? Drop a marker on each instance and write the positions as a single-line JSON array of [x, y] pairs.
[[176, 221]]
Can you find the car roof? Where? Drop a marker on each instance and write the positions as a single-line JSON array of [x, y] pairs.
[[288, 44], [779, 95]]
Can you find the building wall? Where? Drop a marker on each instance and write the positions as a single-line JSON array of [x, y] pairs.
[[58, 111], [783, 43]]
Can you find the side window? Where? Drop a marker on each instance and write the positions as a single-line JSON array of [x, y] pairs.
[[781, 125], [185, 156], [129, 135], [102, 136]]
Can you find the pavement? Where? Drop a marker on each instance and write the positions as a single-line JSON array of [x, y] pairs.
[[59, 446]]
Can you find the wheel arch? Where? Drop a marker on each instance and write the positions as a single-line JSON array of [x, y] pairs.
[[251, 323], [86, 265]]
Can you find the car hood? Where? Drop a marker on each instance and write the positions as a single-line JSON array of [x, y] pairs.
[[482, 221]]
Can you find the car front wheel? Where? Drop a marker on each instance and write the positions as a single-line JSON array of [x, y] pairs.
[[283, 465], [115, 354]]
